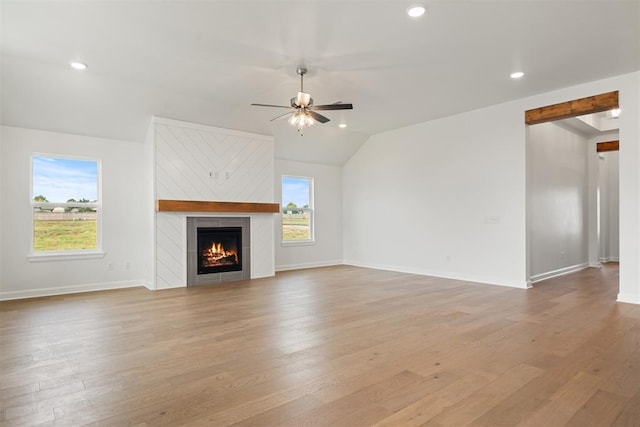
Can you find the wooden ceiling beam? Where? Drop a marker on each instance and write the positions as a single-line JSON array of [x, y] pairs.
[[602, 147], [577, 107]]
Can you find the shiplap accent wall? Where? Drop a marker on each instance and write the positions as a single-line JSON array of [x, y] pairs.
[[197, 162]]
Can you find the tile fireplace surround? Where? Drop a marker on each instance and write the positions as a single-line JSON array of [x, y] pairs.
[[193, 223]]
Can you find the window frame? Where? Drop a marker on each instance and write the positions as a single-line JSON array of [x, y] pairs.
[[311, 212], [72, 254]]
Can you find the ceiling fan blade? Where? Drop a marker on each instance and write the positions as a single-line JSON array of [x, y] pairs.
[[271, 105], [318, 117], [282, 115], [335, 106]]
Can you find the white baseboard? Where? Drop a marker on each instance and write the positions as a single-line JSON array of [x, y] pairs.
[[300, 266], [610, 259], [629, 298], [444, 275], [91, 287], [263, 275], [163, 287], [559, 272]]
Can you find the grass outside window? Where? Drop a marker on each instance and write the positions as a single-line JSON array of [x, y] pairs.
[[64, 235], [295, 228]]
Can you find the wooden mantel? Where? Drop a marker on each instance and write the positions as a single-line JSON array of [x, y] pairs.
[[223, 207]]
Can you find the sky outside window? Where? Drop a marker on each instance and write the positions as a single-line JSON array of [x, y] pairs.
[[60, 179], [295, 190]]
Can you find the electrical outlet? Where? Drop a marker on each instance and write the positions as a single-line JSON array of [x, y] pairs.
[[110, 266], [492, 219], [127, 265]]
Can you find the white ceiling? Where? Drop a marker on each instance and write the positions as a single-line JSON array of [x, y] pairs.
[[593, 125], [206, 61]]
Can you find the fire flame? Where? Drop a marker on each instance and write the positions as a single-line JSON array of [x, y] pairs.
[[218, 252]]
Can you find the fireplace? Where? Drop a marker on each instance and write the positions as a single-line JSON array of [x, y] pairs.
[[218, 249]]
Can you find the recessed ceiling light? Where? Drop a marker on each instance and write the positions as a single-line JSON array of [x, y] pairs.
[[78, 65], [342, 125], [517, 75], [415, 11]]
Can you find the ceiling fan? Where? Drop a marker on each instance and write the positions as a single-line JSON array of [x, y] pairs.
[[303, 112]]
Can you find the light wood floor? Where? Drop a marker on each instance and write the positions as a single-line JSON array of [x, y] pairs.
[[338, 346]]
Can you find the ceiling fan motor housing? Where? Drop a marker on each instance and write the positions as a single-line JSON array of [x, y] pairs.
[[302, 100]]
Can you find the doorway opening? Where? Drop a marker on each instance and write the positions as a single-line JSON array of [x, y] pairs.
[[570, 204]]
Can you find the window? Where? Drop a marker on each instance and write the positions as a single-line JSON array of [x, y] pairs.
[[297, 209], [65, 202]]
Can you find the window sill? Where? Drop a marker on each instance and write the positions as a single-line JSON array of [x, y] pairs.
[[298, 243], [65, 256]]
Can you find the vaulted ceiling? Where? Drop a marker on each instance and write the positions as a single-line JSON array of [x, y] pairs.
[[206, 61]]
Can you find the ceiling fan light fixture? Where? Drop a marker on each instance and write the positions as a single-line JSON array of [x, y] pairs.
[[416, 10], [301, 119]]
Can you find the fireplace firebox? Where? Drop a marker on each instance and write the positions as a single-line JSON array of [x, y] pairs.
[[219, 249]]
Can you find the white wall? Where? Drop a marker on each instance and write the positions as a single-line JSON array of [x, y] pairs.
[[609, 206], [327, 249], [442, 198], [454, 189], [124, 236], [557, 200], [197, 162]]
